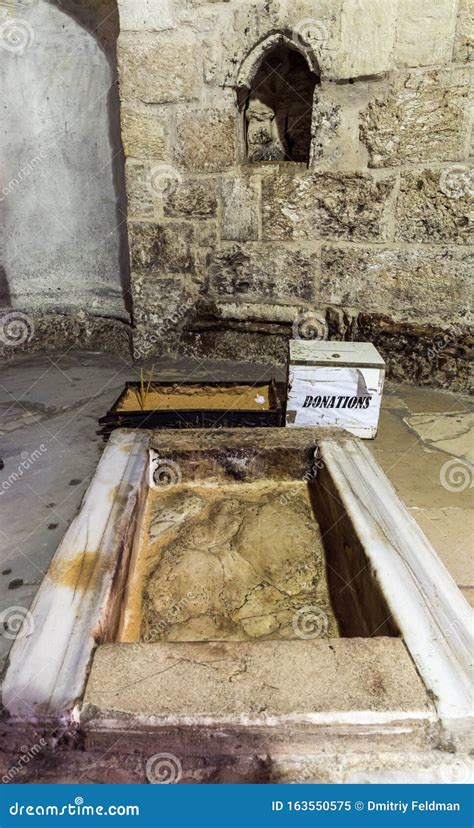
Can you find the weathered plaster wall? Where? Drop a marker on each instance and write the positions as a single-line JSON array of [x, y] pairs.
[[229, 256], [64, 251]]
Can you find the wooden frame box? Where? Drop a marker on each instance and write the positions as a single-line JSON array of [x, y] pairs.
[[194, 418]]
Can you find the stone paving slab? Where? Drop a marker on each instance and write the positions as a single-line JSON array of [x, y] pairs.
[[353, 680]]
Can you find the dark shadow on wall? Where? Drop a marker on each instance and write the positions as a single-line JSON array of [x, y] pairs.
[[101, 19], [5, 298]]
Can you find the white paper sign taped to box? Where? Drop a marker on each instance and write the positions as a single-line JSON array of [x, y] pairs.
[[335, 384]]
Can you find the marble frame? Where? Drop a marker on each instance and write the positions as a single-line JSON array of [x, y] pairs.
[[48, 669]]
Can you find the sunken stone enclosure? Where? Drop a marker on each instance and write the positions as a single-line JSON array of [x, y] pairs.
[[295, 158]]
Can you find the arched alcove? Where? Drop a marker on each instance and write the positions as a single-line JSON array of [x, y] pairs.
[[277, 84]]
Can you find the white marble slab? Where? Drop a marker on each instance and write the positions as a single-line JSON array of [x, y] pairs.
[[433, 616], [79, 600]]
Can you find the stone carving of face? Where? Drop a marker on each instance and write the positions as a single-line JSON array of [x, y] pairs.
[[263, 139]]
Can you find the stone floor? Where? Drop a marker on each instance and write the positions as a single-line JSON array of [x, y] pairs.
[[50, 446]]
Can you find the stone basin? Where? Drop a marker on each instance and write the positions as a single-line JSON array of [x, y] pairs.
[[236, 593]]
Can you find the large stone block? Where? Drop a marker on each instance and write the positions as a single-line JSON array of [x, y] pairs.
[[144, 135], [145, 15], [264, 273], [410, 284], [239, 218], [367, 37], [162, 304], [206, 235], [161, 300], [325, 205], [63, 332], [464, 37], [193, 197], [139, 191], [164, 248], [155, 188], [436, 206], [313, 28], [158, 68], [436, 21], [420, 119], [206, 139]]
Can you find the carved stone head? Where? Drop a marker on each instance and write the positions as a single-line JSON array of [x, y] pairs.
[[263, 138]]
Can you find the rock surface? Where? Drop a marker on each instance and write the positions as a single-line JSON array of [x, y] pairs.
[[420, 119], [246, 563]]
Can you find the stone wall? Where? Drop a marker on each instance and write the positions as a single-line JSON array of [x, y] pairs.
[[372, 240]]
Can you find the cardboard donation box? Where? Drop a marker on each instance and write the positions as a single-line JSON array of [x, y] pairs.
[[335, 384]]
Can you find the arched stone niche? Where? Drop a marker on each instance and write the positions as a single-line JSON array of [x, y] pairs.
[[276, 90]]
